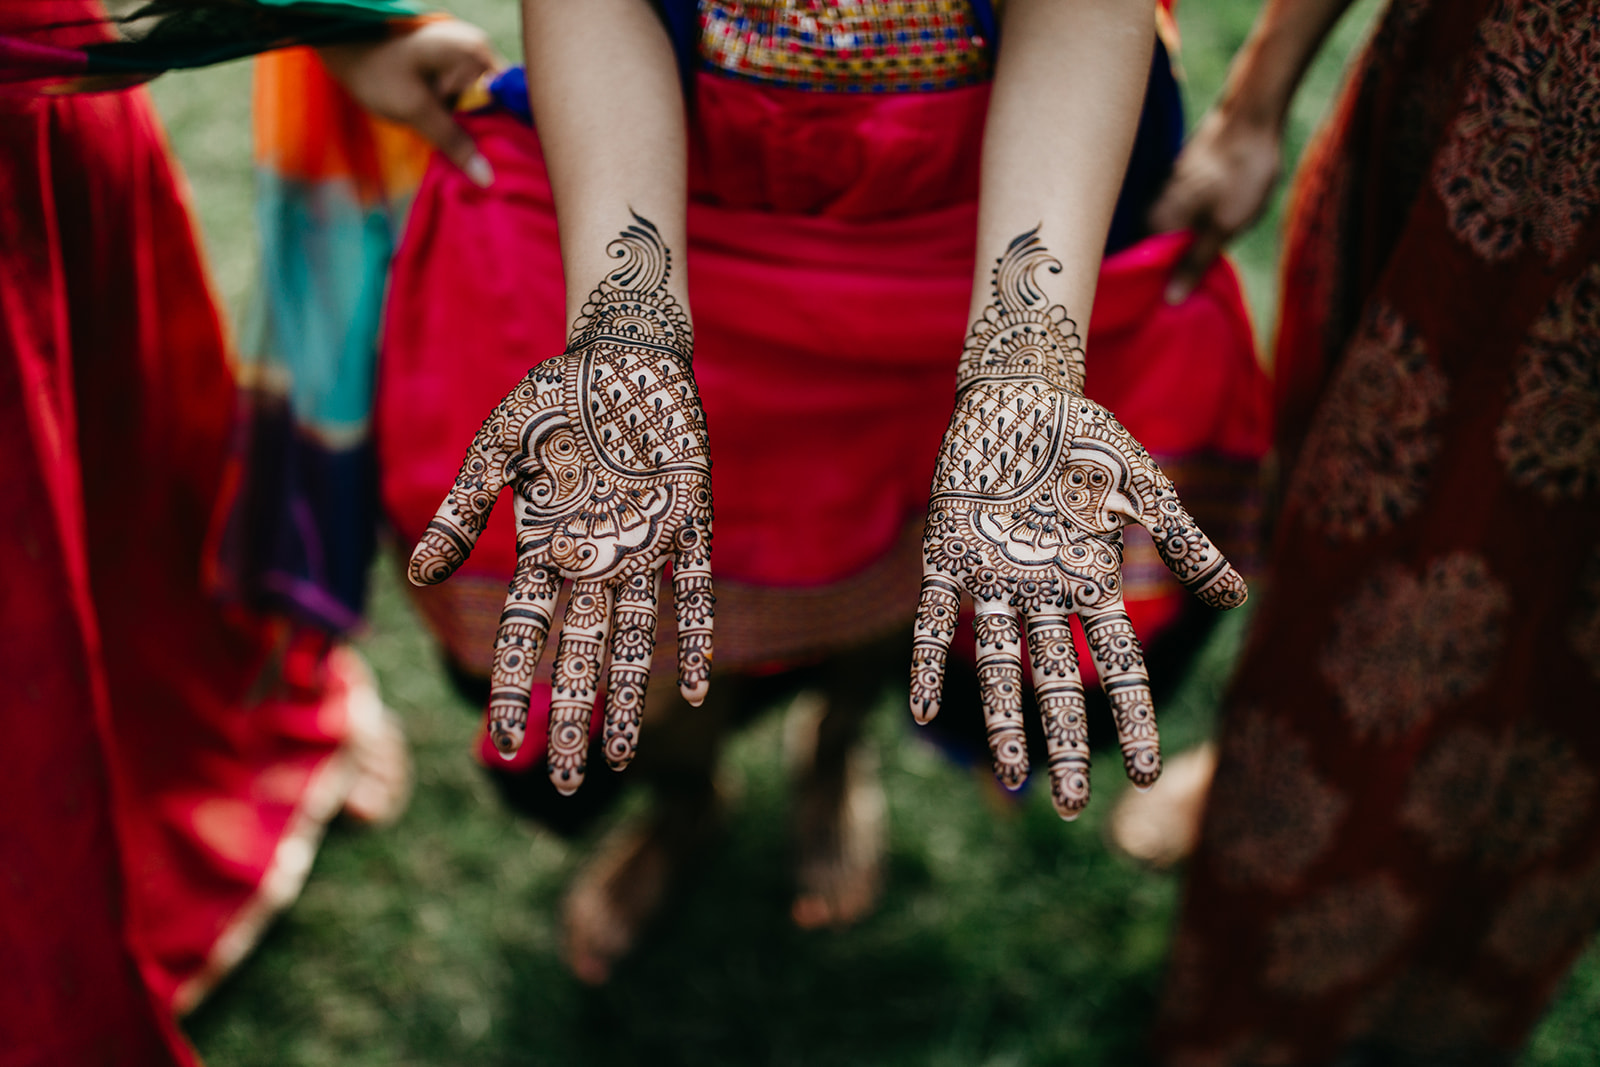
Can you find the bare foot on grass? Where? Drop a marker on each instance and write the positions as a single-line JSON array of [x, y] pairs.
[[839, 825], [1161, 827], [617, 894], [377, 745]]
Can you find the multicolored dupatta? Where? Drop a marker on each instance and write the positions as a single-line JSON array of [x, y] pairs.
[[134, 42], [332, 188]]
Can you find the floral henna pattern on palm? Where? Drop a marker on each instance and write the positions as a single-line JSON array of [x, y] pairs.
[[1033, 486], [604, 448]]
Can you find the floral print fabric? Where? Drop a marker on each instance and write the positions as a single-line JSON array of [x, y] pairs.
[[1402, 849]]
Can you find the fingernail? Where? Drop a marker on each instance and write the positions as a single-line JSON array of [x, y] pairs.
[[1072, 817], [507, 756], [479, 171]]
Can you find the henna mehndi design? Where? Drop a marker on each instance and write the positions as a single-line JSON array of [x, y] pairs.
[[605, 449], [1033, 486]]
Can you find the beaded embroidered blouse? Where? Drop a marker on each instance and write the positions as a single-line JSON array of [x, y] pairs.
[[875, 46]]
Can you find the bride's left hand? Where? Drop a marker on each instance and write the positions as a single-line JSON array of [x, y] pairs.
[[1033, 486]]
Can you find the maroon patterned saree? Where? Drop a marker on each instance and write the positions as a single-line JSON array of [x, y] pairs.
[[1402, 850]]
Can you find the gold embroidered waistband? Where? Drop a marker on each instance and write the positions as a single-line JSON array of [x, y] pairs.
[[846, 45]]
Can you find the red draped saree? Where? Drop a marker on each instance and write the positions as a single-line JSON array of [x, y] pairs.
[[166, 765]]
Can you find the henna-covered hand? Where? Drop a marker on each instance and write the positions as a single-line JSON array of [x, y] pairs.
[[1033, 487], [605, 449]]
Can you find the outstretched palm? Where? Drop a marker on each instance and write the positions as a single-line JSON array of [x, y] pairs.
[[1033, 487], [605, 449]]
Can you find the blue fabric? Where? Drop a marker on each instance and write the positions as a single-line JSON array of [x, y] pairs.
[[983, 14], [1155, 147], [509, 89], [683, 26]]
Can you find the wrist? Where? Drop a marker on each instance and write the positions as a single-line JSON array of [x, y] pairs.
[[1261, 82]]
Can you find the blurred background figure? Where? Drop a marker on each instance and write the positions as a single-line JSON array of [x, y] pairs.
[[170, 761], [1401, 855]]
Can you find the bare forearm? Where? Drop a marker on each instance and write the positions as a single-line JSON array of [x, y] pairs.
[[1264, 75], [603, 85], [1067, 93]]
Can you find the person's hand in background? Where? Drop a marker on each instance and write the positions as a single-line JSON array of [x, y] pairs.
[[1225, 174], [1219, 187], [415, 76]]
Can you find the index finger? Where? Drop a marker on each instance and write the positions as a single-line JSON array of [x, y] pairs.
[[1119, 658]]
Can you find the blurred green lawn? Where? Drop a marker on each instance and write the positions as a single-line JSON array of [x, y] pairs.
[[1003, 939]]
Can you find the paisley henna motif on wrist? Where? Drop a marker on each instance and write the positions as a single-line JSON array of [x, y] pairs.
[[1033, 486], [605, 449]]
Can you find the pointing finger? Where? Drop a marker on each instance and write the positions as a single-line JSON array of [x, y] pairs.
[[1120, 660], [518, 644]]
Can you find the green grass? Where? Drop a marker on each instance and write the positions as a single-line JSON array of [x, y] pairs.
[[1004, 939]]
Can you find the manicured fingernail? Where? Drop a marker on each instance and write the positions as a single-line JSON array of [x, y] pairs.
[[479, 171], [1143, 788], [1073, 817]]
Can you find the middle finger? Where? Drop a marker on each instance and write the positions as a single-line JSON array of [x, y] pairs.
[[1066, 730], [575, 680], [632, 647]]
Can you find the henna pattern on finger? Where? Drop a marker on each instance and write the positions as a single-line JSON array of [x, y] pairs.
[[1032, 488], [452, 532], [1054, 658], [519, 641], [575, 682], [696, 604], [632, 645], [999, 646], [1120, 659], [604, 447], [937, 612]]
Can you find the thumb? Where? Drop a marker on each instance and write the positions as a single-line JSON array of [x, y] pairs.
[[437, 127], [1207, 244]]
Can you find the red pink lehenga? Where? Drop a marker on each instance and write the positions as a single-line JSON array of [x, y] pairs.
[[830, 262], [1401, 855], [166, 763]]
